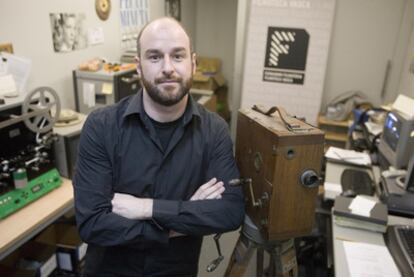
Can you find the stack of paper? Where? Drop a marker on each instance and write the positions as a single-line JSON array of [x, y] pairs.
[[361, 212], [348, 156], [365, 259]]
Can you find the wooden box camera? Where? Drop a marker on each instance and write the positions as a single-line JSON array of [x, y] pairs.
[[279, 158]]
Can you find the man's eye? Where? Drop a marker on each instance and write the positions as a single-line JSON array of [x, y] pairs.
[[154, 58], [178, 57]]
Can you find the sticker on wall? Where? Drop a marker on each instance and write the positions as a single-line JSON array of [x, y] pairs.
[[286, 53], [68, 32], [134, 15]]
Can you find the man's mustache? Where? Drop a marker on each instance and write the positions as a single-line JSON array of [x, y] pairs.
[[166, 80]]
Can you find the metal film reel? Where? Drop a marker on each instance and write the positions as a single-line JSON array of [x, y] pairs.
[[44, 103]]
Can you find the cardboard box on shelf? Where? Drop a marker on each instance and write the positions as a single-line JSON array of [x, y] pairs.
[[208, 75], [70, 250], [223, 103], [32, 259]]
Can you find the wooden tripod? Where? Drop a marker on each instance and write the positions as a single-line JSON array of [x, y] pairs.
[[282, 261]]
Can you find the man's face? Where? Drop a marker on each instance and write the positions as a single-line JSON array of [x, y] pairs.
[[166, 64]]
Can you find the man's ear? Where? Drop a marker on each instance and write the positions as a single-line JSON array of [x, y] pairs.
[[138, 68], [194, 62]]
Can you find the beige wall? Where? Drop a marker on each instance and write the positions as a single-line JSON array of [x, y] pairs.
[[26, 24], [407, 75]]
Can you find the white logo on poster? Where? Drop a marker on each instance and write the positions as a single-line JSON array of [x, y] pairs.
[[277, 47]]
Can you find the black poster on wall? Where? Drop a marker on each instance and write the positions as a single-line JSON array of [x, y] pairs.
[[286, 53]]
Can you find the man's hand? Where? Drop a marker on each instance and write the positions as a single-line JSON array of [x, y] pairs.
[[132, 207], [210, 190]]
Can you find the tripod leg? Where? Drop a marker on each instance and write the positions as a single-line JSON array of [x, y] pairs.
[[259, 261], [240, 257]]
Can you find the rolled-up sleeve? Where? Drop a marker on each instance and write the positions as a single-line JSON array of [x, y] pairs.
[[93, 187], [203, 217]]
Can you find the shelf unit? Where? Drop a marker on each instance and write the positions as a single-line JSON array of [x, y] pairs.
[[336, 132]]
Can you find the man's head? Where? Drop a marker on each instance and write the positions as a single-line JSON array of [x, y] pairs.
[[165, 62]]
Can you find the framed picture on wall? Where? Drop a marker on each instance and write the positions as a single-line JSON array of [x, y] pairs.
[[173, 9]]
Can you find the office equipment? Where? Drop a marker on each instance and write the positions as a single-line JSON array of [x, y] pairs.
[[66, 147], [282, 156], [341, 234], [397, 192], [357, 181], [400, 242], [371, 216], [280, 159], [397, 142], [101, 88], [26, 157]]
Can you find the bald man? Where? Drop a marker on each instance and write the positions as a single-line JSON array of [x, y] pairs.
[[153, 170]]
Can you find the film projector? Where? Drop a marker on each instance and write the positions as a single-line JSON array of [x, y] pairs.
[[280, 159], [27, 169]]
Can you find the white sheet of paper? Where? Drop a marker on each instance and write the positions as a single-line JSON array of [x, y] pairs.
[[96, 36], [7, 84], [19, 67], [348, 156], [89, 94], [64, 261], [404, 104], [362, 206], [365, 259]]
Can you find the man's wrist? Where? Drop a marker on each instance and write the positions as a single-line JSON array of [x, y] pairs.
[[149, 204]]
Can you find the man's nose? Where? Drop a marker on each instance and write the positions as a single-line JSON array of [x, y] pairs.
[[168, 67]]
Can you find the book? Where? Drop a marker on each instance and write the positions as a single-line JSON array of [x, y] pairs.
[[360, 213]]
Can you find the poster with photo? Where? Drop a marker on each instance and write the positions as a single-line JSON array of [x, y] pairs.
[[68, 32], [286, 55], [173, 9]]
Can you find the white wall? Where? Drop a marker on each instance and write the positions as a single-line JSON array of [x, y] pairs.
[[26, 25], [216, 33], [407, 75]]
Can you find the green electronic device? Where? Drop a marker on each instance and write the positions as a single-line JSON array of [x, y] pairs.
[[35, 188]]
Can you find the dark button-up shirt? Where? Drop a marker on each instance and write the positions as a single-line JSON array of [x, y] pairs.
[[119, 151]]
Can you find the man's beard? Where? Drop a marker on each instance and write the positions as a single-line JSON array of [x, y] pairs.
[[164, 97]]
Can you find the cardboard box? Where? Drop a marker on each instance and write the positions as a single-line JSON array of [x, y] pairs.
[[208, 74], [70, 250], [32, 259], [223, 103]]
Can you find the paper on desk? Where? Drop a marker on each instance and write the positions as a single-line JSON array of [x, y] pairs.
[[19, 67], [365, 259], [404, 104], [362, 206], [89, 94], [348, 156], [7, 84], [374, 128]]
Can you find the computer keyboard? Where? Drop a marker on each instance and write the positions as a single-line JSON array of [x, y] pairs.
[[400, 242], [357, 181]]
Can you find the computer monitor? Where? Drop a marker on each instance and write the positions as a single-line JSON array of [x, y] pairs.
[[397, 140], [409, 178]]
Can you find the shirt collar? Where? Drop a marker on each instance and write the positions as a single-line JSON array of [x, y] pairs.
[[135, 106]]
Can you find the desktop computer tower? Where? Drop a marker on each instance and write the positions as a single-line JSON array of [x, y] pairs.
[[66, 147]]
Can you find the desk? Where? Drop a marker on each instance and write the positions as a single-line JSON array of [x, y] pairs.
[[339, 234], [21, 226]]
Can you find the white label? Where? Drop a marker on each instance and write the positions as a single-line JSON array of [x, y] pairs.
[[82, 251], [48, 266], [64, 261]]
